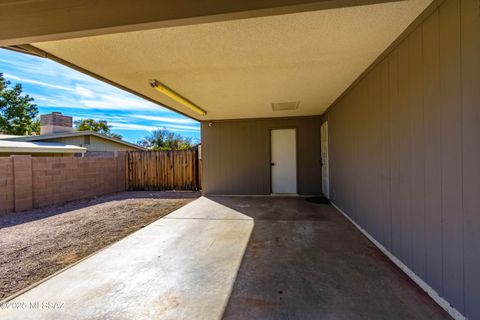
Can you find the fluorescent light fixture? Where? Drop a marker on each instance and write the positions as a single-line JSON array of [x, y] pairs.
[[175, 96]]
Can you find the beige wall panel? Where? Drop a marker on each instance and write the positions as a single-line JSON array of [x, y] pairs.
[[433, 149], [406, 137], [451, 110], [96, 144], [470, 28], [236, 155]]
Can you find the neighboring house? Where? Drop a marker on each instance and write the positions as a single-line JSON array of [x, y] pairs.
[[44, 149], [57, 128]]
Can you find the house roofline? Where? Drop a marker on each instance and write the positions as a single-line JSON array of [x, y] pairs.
[[75, 134], [11, 146]]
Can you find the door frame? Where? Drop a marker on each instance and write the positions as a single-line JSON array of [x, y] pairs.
[[270, 156], [325, 125]]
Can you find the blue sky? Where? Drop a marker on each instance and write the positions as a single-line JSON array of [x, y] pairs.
[[58, 88]]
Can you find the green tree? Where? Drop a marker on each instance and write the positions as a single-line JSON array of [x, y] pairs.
[[36, 126], [17, 111], [163, 139], [100, 126]]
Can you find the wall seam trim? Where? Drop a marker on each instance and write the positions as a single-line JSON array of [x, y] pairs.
[[462, 152], [444, 304]]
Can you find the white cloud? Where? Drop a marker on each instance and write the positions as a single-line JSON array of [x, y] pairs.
[[187, 128], [118, 102], [109, 118], [166, 119], [41, 83], [132, 126], [54, 101], [58, 88], [83, 92]]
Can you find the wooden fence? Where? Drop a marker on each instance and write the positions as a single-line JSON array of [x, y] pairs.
[[163, 170]]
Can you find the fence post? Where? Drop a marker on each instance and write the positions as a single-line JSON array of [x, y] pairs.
[[22, 182]]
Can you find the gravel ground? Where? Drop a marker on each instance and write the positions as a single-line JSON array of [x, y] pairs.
[[37, 243]]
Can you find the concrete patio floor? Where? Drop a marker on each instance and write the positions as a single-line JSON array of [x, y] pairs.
[[236, 258]]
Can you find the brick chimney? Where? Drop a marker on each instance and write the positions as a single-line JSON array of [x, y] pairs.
[[55, 122]]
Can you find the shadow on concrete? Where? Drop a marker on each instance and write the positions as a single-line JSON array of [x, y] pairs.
[[306, 261], [16, 218]]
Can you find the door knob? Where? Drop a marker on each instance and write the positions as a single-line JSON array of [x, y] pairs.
[[272, 164]]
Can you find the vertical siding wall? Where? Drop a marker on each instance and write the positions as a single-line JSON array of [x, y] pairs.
[[405, 153], [236, 155]]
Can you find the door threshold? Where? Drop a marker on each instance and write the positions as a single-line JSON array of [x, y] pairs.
[[284, 195]]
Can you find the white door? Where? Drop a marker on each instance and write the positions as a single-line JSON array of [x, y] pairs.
[[284, 161], [324, 147]]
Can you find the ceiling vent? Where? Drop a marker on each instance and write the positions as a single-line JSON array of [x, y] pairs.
[[284, 106]]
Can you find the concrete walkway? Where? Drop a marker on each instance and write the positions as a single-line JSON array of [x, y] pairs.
[[237, 258]]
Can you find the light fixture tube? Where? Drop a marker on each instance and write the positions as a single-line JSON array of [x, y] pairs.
[[175, 96]]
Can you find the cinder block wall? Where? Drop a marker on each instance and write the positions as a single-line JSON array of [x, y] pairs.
[[6, 185], [32, 182]]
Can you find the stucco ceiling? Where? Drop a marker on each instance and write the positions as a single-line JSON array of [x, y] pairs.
[[237, 69]]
